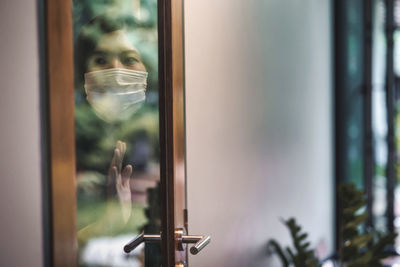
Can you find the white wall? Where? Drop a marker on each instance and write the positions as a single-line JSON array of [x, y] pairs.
[[258, 94], [20, 182]]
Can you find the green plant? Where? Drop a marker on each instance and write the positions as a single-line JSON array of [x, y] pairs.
[[358, 248], [302, 255]]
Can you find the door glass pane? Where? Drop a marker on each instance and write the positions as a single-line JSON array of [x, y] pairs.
[[379, 122], [117, 130], [350, 139]]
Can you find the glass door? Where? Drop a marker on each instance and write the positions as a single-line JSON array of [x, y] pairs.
[[116, 143], [116, 130]]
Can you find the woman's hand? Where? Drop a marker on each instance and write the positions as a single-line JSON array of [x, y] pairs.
[[121, 177], [111, 221]]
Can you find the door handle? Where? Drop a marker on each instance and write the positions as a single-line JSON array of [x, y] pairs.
[[199, 241], [142, 238]]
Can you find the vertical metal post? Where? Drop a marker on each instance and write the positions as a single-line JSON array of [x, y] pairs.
[[390, 101], [369, 164], [339, 21]]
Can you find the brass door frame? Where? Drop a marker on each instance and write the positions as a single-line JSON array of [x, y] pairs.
[[61, 133], [172, 127], [61, 130]]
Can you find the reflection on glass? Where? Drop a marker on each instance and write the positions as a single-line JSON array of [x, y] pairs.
[[116, 121], [379, 117], [352, 159]]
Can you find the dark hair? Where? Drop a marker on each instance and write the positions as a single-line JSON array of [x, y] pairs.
[[90, 35]]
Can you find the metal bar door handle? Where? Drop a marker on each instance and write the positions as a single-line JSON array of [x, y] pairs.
[[200, 242], [142, 238]]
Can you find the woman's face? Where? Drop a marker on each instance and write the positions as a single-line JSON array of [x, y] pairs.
[[114, 50]]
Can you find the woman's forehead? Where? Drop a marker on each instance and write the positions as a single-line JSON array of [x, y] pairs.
[[116, 41]]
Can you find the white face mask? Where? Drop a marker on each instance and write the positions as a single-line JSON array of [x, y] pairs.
[[115, 94]]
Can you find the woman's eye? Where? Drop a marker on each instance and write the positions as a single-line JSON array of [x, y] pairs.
[[100, 61], [129, 61]]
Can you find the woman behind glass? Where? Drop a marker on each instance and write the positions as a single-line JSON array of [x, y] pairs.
[[110, 70]]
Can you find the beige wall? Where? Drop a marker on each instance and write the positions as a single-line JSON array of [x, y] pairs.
[[20, 183], [259, 128]]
